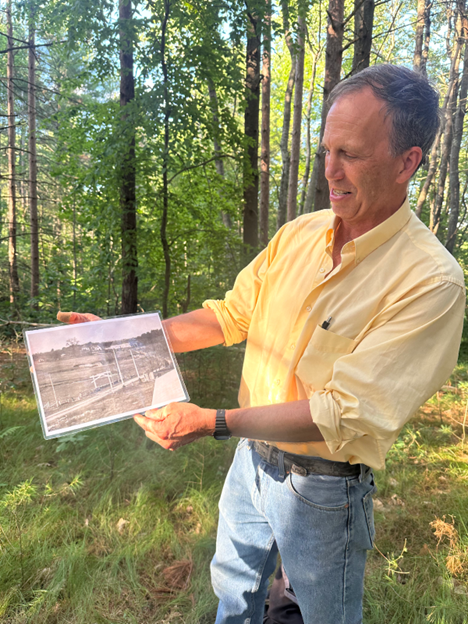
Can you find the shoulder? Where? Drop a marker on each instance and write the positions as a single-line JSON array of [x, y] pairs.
[[428, 251]]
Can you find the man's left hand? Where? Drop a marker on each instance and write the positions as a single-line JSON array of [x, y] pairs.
[[177, 424]]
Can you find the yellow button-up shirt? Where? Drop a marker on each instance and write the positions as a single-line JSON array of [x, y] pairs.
[[397, 304]]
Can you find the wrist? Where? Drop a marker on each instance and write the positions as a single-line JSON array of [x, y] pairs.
[[209, 418]]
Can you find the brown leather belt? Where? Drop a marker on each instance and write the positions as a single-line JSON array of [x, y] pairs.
[[305, 464]]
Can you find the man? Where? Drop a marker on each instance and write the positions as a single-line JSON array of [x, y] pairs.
[[353, 319]]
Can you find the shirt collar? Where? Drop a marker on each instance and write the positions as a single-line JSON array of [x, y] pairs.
[[368, 242]]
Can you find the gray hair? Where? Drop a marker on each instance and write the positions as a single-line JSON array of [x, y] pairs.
[[409, 98]]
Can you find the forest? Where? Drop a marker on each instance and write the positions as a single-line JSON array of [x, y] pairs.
[[148, 150]]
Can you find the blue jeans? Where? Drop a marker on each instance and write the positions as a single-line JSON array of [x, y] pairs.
[[322, 527]]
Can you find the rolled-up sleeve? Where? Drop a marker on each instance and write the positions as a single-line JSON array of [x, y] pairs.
[[234, 313], [400, 362]]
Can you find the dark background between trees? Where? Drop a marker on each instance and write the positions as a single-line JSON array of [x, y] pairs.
[[149, 148]]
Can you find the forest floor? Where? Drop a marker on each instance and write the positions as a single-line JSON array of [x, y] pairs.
[[104, 527]]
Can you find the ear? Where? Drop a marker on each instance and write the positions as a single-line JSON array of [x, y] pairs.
[[409, 163]]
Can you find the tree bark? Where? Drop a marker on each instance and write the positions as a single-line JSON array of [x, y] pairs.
[[363, 25], [165, 212], [454, 176], [448, 104], [297, 121], [128, 169], [12, 255], [436, 210], [33, 166], [284, 143], [422, 36], [251, 119], [333, 58], [265, 147], [306, 194]]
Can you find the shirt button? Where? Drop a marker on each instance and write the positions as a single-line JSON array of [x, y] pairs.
[[357, 261], [308, 308], [293, 346], [277, 382], [322, 270]]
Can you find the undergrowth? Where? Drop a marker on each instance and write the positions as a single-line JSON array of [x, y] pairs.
[[104, 527]]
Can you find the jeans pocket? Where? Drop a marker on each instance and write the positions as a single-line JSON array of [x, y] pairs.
[[320, 491], [242, 442], [368, 505]]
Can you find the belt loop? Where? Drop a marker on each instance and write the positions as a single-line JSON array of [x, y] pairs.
[[364, 472], [281, 471]]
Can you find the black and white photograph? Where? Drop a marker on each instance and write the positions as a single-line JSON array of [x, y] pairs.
[[95, 373]]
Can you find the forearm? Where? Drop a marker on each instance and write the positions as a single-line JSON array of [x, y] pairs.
[[177, 424], [284, 422], [195, 330]]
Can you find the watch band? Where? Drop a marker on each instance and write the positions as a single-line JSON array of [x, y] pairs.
[[221, 431]]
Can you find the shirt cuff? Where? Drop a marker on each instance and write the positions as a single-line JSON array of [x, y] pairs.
[[326, 414], [232, 334]]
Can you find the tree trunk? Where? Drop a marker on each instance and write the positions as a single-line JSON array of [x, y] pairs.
[[219, 164], [363, 25], [448, 129], [427, 37], [306, 194], [454, 178], [297, 120], [33, 165], [265, 149], [128, 173], [333, 57], [251, 118], [165, 164], [448, 105], [12, 256], [284, 143], [422, 36]]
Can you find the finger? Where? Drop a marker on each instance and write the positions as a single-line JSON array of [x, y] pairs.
[[155, 414], [166, 444], [76, 317]]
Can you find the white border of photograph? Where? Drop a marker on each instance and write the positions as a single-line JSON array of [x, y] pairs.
[[40, 341]]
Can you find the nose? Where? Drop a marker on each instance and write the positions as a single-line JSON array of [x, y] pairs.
[[333, 167]]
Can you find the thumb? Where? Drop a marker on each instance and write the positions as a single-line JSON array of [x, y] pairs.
[[75, 317]]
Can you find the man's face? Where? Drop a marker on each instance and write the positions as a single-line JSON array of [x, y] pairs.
[[362, 174]]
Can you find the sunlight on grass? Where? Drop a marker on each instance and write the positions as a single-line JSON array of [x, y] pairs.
[[104, 527]]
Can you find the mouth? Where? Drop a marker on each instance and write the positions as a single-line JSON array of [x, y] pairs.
[[340, 193]]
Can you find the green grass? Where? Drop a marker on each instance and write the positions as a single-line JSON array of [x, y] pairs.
[[107, 528]]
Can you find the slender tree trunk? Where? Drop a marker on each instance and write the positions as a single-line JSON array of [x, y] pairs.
[[422, 36], [363, 26], [427, 37], [448, 129], [217, 147], [265, 149], [297, 120], [33, 165], [165, 212], [454, 178], [128, 172], [419, 36], [334, 53], [306, 194], [284, 143], [251, 119], [12, 256], [446, 112]]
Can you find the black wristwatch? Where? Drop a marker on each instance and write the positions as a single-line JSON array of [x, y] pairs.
[[221, 431]]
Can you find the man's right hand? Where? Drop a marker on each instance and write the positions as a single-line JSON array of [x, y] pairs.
[[75, 317]]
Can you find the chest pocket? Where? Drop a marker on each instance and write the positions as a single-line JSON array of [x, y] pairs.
[[315, 368]]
